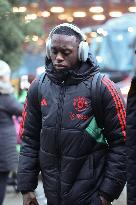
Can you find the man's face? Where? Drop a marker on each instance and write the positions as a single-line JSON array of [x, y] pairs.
[[64, 51]]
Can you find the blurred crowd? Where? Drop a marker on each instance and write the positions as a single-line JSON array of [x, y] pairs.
[[10, 111]]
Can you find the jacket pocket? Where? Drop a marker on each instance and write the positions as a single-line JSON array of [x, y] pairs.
[[48, 140], [87, 169]]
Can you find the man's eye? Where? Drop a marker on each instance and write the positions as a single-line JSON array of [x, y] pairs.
[[67, 53], [54, 51]]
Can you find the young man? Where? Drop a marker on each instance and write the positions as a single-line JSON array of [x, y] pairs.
[[131, 144], [80, 163]]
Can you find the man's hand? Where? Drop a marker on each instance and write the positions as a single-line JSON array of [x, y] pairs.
[[29, 199], [104, 201]]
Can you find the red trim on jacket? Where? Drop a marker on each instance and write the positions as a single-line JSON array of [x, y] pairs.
[[121, 113], [120, 100], [24, 114]]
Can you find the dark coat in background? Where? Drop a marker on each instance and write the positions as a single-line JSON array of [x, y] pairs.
[[131, 144], [8, 107]]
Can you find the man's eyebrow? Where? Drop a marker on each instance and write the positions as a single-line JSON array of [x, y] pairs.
[[63, 47]]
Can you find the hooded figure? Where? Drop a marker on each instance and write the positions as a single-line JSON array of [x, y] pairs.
[[80, 163], [5, 72], [8, 107]]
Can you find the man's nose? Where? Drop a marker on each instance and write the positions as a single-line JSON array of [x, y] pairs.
[[59, 57]]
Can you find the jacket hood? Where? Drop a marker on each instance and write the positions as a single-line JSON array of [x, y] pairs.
[[73, 75]]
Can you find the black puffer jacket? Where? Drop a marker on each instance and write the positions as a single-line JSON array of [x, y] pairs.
[[131, 144], [76, 162], [8, 155]]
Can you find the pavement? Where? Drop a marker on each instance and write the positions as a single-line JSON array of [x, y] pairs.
[[13, 198]]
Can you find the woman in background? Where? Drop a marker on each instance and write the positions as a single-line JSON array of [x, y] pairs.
[[8, 107]]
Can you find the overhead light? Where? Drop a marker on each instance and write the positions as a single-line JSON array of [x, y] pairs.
[[57, 9], [30, 17], [65, 17], [15, 9], [45, 14], [98, 17], [35, 38], [132, 9], [62, 16], [20, 9], [96, 9], [115, 13], [70, 19], [79, 14]]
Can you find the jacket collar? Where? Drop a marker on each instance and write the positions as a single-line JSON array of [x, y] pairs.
[[72, 76]]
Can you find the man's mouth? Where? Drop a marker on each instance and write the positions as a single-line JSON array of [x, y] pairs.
[[59, 66]]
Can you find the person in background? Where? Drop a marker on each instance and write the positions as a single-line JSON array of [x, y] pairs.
[[131, 143], [79, 162], [9, 106]]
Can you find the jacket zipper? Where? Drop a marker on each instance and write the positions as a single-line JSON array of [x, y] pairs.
[[59, 123]]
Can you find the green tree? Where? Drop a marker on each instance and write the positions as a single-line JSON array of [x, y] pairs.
[[13, 30]]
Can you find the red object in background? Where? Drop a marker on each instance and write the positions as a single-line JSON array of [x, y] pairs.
[[17, 121]]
